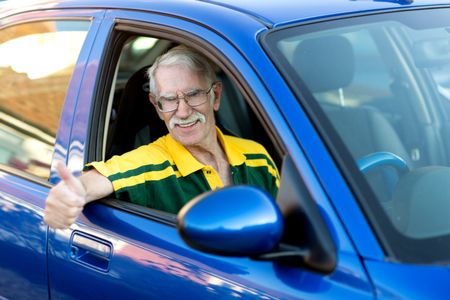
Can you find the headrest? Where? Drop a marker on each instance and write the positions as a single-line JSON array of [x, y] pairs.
[[325, 63], [135, 105], [134, 113]]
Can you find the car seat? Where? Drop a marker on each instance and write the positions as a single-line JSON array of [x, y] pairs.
[[327, 64]]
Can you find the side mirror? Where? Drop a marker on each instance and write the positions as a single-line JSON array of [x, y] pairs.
[[237, 221], [245, 221]]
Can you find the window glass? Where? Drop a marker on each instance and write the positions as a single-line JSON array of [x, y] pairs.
[[36, 63], [382, 82], [371, 78]]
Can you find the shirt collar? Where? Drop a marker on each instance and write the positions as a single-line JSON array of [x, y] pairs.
[[187, 164], [235, 157]]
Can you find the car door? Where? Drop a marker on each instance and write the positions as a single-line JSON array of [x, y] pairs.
[[117, 249], [40, 56]]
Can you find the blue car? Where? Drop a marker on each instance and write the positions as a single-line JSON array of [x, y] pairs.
[[351, 98]]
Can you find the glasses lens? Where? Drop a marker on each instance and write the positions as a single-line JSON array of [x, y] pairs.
[[196, 98], [166, 105]]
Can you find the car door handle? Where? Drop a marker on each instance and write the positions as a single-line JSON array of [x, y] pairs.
[[90, 251]]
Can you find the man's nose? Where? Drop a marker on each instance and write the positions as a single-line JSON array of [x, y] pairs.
[[184, 110]]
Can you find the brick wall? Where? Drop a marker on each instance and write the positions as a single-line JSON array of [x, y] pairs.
[[37, 102]]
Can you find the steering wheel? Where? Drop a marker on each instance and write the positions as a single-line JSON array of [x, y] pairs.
[[382, 158]]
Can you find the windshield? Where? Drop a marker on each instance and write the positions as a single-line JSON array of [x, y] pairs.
[[379, 89]]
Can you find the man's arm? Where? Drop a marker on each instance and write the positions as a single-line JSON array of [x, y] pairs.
[[67, 199]]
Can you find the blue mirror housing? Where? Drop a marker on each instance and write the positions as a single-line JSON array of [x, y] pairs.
[[237, 221]]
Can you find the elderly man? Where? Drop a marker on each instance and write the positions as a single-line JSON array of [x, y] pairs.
[[194, 157]]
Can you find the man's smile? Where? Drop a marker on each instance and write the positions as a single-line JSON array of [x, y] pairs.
[[187, 124]]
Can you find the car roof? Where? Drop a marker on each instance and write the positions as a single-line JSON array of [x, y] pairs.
[[269, 13], [280, 12]]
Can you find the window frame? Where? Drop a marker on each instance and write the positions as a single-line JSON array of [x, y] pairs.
[[122, 30]]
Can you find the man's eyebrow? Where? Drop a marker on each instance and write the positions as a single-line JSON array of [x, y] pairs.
[[171, 95], [192, 90], [167, 95]]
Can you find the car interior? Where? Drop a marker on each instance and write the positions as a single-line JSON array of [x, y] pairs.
[[363, 129], [392, 124]]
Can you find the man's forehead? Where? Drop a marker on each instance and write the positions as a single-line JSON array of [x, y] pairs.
[[174, 78], [175, 71]]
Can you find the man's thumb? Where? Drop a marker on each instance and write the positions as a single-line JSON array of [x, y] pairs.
[[71, 181]]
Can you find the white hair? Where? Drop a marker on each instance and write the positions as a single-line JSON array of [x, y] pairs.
[[182, 55]]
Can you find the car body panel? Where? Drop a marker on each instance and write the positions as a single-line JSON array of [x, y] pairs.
[[112, 253], [394, 280], [150, 257], [23, 244]]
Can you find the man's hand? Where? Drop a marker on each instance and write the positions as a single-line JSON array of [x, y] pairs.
[[65, 200]]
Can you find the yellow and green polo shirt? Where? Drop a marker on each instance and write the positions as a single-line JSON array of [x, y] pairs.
[[164, 175]]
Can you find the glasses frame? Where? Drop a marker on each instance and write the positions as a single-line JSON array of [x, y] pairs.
[[179, 98]]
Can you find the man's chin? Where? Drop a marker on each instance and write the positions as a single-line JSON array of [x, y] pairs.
[[185, 137], [186, 142]]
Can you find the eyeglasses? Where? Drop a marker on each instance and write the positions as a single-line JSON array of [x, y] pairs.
[[193, 98]]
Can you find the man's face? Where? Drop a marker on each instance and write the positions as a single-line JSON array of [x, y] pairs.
[[190, 126]]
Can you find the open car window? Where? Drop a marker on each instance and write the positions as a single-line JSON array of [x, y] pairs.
[[132, 121]]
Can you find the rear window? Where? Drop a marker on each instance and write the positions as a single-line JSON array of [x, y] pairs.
[[36, 64]]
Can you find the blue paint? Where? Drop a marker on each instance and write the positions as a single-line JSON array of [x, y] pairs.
[[222, 245]]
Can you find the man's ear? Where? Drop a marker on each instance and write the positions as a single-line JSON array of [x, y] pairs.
[[153, 101], [217, 90]]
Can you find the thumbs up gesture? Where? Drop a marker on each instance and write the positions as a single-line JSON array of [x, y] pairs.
[[65, 200]]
